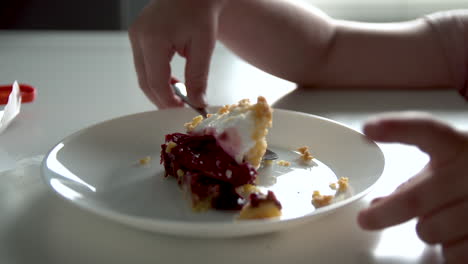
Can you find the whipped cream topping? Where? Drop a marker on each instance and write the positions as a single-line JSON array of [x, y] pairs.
[[233, 131], [240, 129]]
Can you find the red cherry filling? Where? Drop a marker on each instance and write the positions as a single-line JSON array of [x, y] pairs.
[[206, 170]]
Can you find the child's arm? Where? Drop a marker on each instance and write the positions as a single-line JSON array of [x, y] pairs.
[[305, 46], [295, 42], [451, 28]]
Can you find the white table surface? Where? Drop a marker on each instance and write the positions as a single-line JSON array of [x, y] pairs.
[[85, 78]]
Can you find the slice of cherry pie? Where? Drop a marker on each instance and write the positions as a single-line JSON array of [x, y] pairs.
[[219, 155]]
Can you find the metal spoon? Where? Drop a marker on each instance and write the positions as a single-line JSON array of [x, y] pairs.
[[181, 92]]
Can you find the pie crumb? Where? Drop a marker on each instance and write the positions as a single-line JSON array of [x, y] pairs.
[[246, 190], [305, 154], [261, 206], [180, 173], [145, 161], [170, 145], [194, 123], [319, 200], [283, 163], [201, 205], [223, 110], [343, 184]]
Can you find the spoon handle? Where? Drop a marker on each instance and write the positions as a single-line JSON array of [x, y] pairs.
[[201, 110]]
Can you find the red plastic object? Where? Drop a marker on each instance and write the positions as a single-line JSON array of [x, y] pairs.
[[174, 80], [28, 93]]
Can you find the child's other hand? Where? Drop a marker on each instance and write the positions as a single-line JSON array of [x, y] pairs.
[[438, 195]]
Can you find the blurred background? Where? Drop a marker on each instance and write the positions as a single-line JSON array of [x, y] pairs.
[[118, 14]]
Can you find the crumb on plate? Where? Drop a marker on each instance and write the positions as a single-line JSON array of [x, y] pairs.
[[223, 110], [319, 200], [283, 163], [202, 205], [343, 184], [144, 161], [305, 153]]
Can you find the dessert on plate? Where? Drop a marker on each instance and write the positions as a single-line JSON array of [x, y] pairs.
[[215, 162], [261, 206]]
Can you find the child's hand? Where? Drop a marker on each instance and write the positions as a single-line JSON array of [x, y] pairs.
[[168, 26], [438, 195]]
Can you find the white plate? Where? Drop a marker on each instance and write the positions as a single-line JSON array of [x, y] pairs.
[[97, 169]]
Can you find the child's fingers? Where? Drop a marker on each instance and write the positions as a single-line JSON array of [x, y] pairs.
[[400, 206], [197, 67], [435, 138], [157, 56], [424, 194], [445, 225], [139, 62], [456, 252]]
